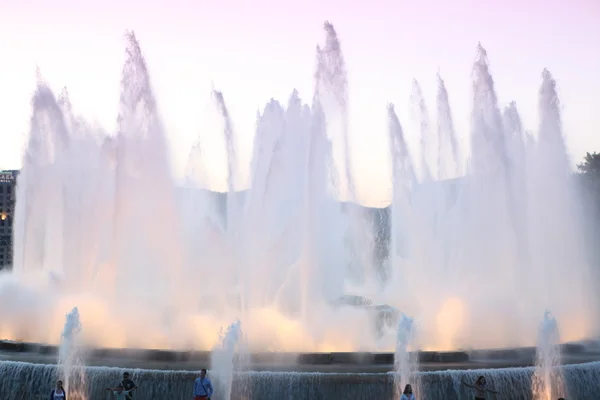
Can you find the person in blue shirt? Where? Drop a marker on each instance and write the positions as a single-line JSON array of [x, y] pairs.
[[203, 388]]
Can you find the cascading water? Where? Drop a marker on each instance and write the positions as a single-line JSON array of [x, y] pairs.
[[548, 382], [406, 363], [227, 359], [32, 381], [70, 358], [100, 222]]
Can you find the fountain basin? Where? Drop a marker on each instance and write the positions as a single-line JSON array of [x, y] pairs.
[[34, 381]]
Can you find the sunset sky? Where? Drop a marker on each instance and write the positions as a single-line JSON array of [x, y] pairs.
[[257, 50]]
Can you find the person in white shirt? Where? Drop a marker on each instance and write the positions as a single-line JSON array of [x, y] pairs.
[[119, 392], [407, 394], [59, 392]]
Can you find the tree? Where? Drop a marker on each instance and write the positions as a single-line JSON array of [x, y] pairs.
[[589, 190], [590, 164]]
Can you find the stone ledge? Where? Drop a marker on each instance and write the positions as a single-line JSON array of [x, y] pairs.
[[287, 358], [345, 358]]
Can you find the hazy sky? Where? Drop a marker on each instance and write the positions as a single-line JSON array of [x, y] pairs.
[[255, 50]]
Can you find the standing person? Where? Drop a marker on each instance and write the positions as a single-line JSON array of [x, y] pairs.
[[119, 392], [128, 385], [203, 388], [480, 387], [407, 394], [58, 393]]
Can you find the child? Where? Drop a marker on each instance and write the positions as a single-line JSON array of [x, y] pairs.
[[119, 392]]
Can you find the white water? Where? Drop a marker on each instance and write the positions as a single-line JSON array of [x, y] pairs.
[[71, 357], [474, 260], [406, 361], [548, 381], [228, 358], [34, 380]]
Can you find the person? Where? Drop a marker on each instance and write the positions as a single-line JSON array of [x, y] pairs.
[[128, 385], [58, 393], [203, 388], [119, 392], [480, 387], [407, 394]]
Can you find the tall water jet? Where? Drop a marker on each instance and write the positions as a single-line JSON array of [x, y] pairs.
[[332, 93], [228, 358], [547, 381], [518, 172], [488, 148], [429, 199], [406, 363], [59, 222], [403, 183], [275, 207], [233, 214], [429, 143], [230, 148], [202, 227], [70, 357], [322, 255], [39, 211], [553, 222], [515, 138], [448, 148], [264, 224], [144, 196], [488, 166], [474, 228]]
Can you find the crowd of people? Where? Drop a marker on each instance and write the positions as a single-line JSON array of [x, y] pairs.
[[480, 388], [203, 388]]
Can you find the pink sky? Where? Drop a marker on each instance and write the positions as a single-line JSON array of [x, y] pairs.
[[255, 50]]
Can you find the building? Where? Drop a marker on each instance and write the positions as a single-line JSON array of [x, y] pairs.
[[8, 184]]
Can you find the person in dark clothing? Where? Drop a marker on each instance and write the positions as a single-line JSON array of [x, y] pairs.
[[481, 388], [128, 385]]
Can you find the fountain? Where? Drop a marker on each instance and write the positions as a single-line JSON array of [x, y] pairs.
[[228, 358], [406, 364], [547, 381], [70, 357], [472, 253]]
